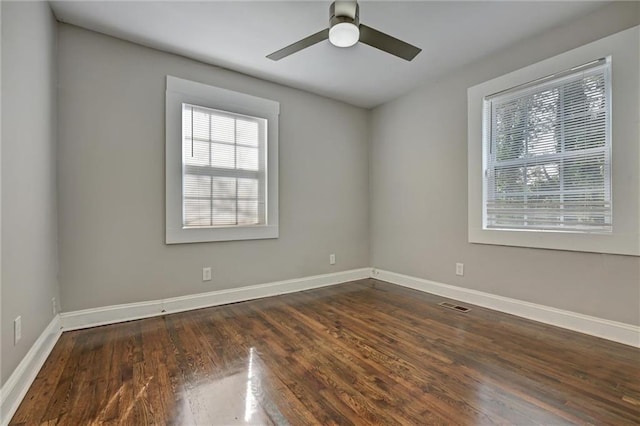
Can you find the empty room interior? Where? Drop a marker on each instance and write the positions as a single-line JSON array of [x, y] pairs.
[[316, 212]]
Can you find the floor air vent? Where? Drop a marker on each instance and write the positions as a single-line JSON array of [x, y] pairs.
[[454, 307]]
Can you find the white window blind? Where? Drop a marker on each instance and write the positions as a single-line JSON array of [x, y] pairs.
[[547, 153], [223, 168]]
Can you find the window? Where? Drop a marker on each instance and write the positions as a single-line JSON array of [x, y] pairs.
[[223, 168], [221, 161], [547, 148], [553, 151]]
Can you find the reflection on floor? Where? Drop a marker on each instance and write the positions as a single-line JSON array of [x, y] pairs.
[[235, 398]]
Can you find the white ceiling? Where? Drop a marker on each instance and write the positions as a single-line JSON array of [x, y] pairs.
[[239, 34]]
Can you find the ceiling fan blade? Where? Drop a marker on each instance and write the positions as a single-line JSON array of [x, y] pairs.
[[385, 42], [299, 45]]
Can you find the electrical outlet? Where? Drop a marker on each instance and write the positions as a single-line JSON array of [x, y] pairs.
[[206, 273], [459, 268], [332, 259], [17, 330], [54, 307]]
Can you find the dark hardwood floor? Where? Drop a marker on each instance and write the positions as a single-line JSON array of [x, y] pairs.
[[365, 352]]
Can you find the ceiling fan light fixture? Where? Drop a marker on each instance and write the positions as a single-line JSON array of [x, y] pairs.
[[345, 30], [344, 34]]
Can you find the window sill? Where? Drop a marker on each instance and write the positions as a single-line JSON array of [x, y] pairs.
[[610, 242], [202, 235]]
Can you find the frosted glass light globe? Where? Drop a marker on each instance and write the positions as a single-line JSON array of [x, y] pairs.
[[344, 34]]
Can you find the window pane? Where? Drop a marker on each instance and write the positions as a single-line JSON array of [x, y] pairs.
[[543, 177], [248, 188], [247, 132], [506, 210], [509, 179], [222, 156], [200, 125], [247, 158], [224, 212], [196, 154], [222, 129], [197, 212], [585, 173], [224, 187], [248, 212], [586, 131], [510, 146], [197, 186], [542, 210]]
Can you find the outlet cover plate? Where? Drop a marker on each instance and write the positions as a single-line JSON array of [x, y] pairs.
[[206, 274], [17, 330]]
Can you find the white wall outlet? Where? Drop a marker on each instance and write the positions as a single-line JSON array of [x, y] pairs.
[[206, 273], [17, 330], [332, 259], [54, 307], [459, 268]]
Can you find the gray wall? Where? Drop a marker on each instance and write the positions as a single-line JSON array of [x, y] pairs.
[[419, 193], [111, 180], [29, 219]]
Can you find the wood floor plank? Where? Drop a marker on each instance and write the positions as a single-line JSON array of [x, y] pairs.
[[365, 352]]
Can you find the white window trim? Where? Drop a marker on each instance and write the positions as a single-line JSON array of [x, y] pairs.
[[181, 91], [623, 48]]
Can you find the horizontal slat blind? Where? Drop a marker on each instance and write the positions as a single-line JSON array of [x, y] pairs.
[[223, 168], [548, 154]]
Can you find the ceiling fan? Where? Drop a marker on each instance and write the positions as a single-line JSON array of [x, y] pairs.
[[345, 30]]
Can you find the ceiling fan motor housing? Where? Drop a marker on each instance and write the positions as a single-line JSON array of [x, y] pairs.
[[346, 11]]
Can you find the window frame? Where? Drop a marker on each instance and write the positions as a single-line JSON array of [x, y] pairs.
[[180, 91], [624, 239], [490, 164]]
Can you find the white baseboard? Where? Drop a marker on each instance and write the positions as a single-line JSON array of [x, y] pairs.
[[23, 376], [132, 311], [611, 330], [616, 331]]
